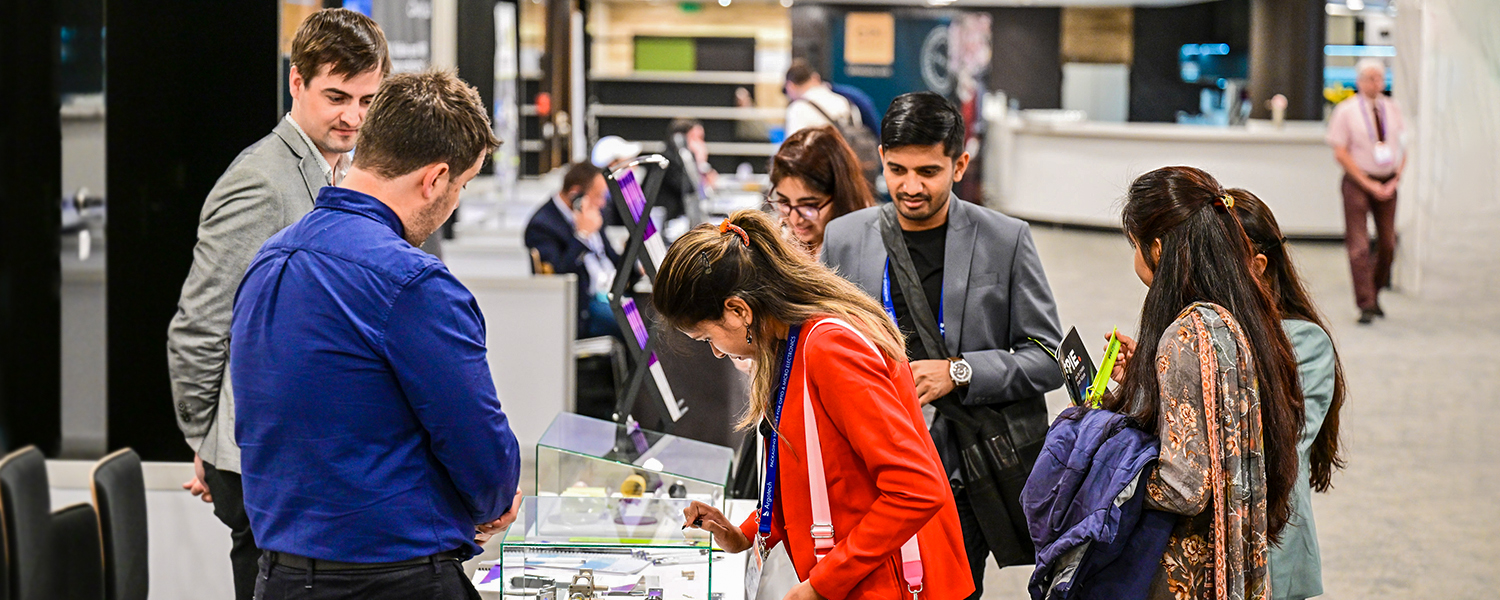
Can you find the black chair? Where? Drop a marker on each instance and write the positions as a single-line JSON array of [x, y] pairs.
[[77, 558], [120, 496], [25, 517]]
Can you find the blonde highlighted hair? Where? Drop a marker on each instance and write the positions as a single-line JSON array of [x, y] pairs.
[[709, 265]]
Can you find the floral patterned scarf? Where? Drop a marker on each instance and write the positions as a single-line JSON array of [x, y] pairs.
[[1212, 469]]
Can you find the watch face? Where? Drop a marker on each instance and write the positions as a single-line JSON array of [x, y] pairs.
[[960, 372]]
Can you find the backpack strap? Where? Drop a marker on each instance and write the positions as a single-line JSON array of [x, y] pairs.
[[849, 121], [822, 516]]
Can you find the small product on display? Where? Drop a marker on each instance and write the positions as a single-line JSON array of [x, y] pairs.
[[593, 460], [582, 587], [583, 547], [634, 486]]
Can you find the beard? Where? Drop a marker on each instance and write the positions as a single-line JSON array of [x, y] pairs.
[[927, 210], [430, 218]]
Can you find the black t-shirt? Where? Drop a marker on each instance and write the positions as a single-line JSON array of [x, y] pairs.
[[927, 251]]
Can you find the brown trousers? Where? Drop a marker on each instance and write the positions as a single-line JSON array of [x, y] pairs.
[[1371, 273]]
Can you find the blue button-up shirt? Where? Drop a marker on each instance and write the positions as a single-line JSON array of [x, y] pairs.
[[365, 412]]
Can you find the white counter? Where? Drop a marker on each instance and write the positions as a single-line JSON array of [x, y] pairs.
[[1077, 173]]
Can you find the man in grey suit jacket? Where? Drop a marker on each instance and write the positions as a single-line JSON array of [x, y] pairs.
[[269, 186], [976, 273]]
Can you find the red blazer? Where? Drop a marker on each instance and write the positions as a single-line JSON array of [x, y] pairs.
[[885, 481]]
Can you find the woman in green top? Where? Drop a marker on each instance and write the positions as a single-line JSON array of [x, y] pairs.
[[1295, 566]]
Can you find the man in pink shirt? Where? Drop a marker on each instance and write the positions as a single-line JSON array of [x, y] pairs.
[[1365, 133]]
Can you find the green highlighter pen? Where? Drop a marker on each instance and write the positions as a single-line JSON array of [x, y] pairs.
[[1101, 379]]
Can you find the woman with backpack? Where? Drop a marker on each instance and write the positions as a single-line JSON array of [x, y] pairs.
[[863, 506]]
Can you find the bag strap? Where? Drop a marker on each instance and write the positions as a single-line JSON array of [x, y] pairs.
[[916, 302], [849, 119], [822, 516], [906, 274]]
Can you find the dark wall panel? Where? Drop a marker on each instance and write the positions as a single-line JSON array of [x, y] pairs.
[[1026, 62], [476, 53], [1287, 56], [190, 85], [725, 54], [30, 277], [1157, 91]]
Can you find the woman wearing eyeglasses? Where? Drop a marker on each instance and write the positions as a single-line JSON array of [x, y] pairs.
[[815, 178]]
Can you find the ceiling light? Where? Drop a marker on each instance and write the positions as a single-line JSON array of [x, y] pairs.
[[1355, 5], [786, 3]]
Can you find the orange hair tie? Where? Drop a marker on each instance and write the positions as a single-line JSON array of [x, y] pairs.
[[727, 227]]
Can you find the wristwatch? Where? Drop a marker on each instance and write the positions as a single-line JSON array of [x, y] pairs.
[[959, 370]]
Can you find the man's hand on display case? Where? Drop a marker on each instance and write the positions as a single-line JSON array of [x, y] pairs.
[[483, 531], [702, 516]]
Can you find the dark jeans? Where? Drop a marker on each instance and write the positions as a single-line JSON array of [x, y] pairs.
[[974, 543], [229, 507], [1371, 273], [438, 580]]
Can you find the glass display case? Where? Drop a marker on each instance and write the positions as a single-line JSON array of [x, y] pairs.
[[584, 547], [582, 456]]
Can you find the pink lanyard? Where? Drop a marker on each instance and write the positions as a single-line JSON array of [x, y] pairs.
[[822, 517]]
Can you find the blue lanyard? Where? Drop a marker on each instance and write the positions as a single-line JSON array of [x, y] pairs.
[[890, 305], [768, 493]]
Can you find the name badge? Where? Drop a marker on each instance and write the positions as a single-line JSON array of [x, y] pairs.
[[1383, 155], [754, 566]]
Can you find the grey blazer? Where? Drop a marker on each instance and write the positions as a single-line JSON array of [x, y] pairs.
[[269, 186], [995, 297]]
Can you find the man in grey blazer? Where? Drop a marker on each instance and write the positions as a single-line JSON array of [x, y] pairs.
[[339, 58], [989, 314]]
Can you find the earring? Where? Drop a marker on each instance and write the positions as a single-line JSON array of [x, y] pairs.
[[747, 335]]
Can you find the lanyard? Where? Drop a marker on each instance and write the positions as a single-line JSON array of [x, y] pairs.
[[1370, 126], [768, 493], [890, 305]]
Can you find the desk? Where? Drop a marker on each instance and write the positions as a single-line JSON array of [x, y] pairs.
[[1077, 173]]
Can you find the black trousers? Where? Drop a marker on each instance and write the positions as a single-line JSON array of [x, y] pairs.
[[974, 543], [437, 580], [229, 507]]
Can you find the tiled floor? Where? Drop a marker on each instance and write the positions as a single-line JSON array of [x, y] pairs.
[[1417, 512]]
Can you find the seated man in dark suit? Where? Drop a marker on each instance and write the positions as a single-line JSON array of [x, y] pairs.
[[566, 233]]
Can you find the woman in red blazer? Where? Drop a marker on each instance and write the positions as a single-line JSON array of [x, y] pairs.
[[748, 293]]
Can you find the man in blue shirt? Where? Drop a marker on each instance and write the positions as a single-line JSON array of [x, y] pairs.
[[372, 441]]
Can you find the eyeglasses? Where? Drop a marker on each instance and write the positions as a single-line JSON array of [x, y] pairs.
[[806, 211]]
